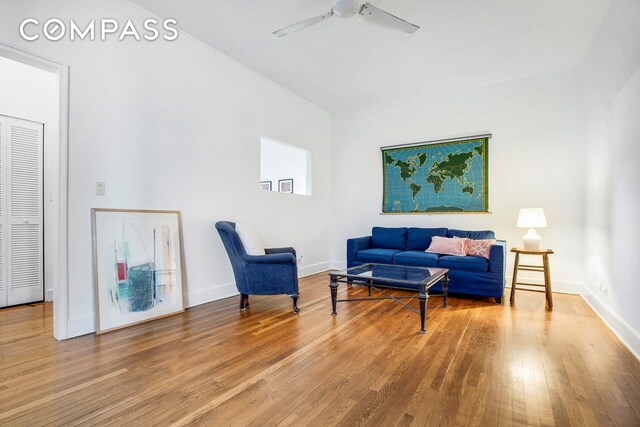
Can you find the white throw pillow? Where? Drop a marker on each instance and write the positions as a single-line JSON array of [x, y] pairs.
[[250, 239]]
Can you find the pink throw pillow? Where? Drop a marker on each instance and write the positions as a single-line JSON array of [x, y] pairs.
[[447, 246], [466, 241], [480, 247]]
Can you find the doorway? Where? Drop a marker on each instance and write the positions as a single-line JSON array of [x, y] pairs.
[[37, 88]]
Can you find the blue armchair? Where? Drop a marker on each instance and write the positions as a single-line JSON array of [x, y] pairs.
[[272, 274]]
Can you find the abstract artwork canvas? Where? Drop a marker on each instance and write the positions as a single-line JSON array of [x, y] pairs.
[[138, 266]]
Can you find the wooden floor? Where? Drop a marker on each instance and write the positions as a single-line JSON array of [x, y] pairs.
[[479, 364]]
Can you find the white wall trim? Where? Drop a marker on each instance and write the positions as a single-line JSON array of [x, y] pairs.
[[205, 296], [56, 261], [211, 294], [309, 270], [629, 337], [80, 325], [338, 265]]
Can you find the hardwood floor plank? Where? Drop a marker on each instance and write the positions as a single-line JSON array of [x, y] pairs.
[[479, 364]]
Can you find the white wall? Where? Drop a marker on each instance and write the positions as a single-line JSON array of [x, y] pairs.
[[176, 125], [30, 93], [612, 112], [536, 159], [283, 161]]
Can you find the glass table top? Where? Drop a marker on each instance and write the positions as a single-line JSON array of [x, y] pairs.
[[397, 274]]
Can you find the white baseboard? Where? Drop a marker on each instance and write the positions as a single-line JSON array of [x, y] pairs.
[[48, 295], [625, 333], [80, 325], [211, 294], [561, 286], [338, 265], [308, 270]]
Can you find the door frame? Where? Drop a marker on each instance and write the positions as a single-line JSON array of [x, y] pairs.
[[56, 263]]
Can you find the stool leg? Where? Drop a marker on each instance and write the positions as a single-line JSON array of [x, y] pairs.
[[547, 281], [515, 278]]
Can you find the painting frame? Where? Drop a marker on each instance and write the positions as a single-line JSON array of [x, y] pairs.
[[282, 182], [266, 185], [483, 152], [100, 325]]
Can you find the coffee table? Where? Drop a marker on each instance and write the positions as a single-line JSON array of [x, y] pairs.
[[384, 276]]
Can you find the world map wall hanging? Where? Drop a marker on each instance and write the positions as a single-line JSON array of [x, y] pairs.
[[436, 177]]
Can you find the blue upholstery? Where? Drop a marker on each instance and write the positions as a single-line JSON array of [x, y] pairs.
[[354, 246], [467, 263], [377, 255], [272, 274], [416, 258], [419, 239], [388, 238], [467, 275], [475, 235], [474, 283]]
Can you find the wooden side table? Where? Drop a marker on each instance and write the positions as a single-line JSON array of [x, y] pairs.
[[544, 268]]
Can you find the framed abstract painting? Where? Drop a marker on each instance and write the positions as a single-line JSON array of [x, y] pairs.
[[138, 266]]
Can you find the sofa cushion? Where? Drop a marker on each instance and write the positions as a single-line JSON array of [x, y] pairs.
[[467, 263], [416, 258], [476, 235], [377, 255], [388, 238], [419, 239]]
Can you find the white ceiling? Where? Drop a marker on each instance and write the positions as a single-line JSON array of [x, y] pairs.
[[347, 63]]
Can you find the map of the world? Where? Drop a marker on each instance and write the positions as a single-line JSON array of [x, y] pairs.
[[436, 178]]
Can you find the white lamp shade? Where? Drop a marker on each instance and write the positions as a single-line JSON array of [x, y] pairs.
[[532, 218]]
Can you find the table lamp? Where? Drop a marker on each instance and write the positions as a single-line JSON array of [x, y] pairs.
[[531, 218]]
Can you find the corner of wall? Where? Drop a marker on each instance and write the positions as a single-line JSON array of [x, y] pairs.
[[629, 337]]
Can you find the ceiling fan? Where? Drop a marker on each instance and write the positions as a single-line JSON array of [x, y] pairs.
[[349, 9]]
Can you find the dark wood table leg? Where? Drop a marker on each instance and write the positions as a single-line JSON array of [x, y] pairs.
[[547, 280], [515, 278], [422, 297], [333, 284], [445, 290]]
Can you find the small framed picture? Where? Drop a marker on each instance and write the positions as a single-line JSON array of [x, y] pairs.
[[265, 185], [285, 185]]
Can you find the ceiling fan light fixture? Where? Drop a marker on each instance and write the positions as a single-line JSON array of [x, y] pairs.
[[349, 9], [346, 8]]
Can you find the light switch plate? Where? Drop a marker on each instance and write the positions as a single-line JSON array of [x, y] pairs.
[[100, 188]]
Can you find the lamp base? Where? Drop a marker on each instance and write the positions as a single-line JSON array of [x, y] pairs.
[[531, 241]]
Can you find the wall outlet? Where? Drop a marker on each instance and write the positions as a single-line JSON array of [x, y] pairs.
[[100, 188], [299, 259]]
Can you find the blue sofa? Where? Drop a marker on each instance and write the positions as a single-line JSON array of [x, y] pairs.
[[406, 246]]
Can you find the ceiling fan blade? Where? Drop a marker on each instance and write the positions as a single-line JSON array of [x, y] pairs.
[[301, 25], [385, 19]]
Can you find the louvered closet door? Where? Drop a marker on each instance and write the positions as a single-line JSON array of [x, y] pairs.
[[24, 219], [3, 190]]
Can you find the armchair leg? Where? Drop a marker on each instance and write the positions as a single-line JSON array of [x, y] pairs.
[[244, 301], [295, 303]]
